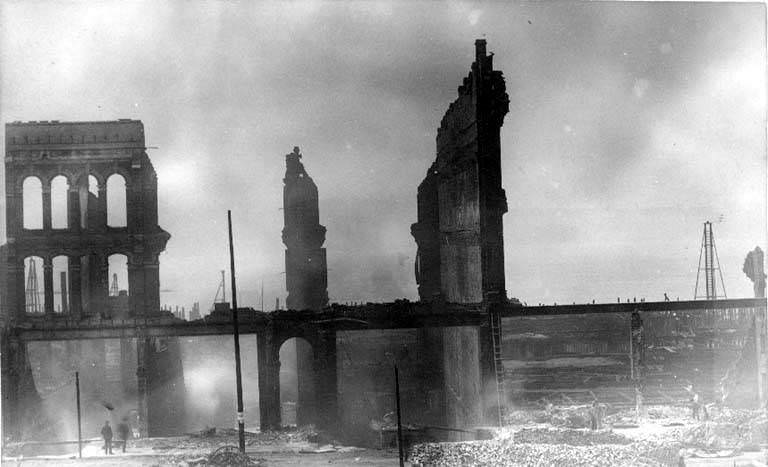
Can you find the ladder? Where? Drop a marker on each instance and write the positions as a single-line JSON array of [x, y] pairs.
[[498, 366]]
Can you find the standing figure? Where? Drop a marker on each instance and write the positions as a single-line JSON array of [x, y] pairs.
[[695, 405], [594, 416], [639, 407], [106, 432], [124, 431]]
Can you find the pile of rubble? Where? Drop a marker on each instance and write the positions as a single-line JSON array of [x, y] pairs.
[[568, 436], [506, 453], [743, 434]]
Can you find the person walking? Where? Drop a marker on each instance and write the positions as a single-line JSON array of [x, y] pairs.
[[106, 433], [124, 432]]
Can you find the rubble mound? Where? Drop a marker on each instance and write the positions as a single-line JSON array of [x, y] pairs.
[[736, 432], [568, 436], [226, 456], [505, 453]]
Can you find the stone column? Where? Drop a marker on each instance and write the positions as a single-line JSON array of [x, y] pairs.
[[14, 214], [269, 380], [18, 298], [99, 265], [143, 348], [325, 382], [134, 205], [75, 287], [73, 208], [101, 208], [46, 205], [48, 284], [152, 284], [136, 286], [144, 284]]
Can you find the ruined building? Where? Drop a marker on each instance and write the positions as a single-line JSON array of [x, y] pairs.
[[306, 273], [459, 234], [82, 159]]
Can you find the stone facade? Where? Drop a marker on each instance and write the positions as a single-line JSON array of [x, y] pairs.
[[306, 272], [306, 275], [79, 151], [459, 232], [459, 235]]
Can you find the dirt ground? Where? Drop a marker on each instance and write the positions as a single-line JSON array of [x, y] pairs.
[[555, 436], [289, 448]]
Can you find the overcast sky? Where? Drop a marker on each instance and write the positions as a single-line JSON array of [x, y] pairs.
[[630, 125]]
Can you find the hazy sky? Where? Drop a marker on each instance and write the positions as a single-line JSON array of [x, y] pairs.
[[630, 125]]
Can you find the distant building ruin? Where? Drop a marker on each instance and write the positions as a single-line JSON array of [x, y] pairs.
[[459, 233], [459, 236], [86, 161], [306, 272]]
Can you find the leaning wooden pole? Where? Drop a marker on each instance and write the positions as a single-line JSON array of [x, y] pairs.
[[238, 374], [79, 429]]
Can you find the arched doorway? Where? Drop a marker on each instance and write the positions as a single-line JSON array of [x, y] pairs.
[[297, 384]]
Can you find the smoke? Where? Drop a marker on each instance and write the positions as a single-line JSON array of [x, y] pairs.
[[209, 379]]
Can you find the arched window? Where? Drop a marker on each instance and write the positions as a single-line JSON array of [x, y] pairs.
[[116, 201], [89, 200], [34, 289], [61, 281], [59, 204], [118, 274], [32, 203]]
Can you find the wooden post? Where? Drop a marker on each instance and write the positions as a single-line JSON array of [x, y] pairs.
[[399, 424], [79, 430], [238, 374]]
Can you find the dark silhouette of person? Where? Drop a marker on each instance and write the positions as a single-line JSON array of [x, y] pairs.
[[106, 432], [124, 432]]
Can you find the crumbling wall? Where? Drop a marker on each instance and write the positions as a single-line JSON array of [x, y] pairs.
[[79, 151], [459, 235]]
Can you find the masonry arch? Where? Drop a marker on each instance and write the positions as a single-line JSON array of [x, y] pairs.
[[59, 202], [117, 207], [32, 203], [297, 385]]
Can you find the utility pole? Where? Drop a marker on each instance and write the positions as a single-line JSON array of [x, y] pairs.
[[79, 431], [238, 375], [399, 424]]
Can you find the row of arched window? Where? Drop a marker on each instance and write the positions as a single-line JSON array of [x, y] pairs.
[[34, 281], [32, 193]]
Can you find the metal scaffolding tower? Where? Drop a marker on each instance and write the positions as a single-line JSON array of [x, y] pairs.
[[114, 291], [711, 264], [32, 292]]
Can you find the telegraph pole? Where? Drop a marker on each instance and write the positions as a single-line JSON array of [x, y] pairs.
[[399, 425], [238, 375], [79, 431]]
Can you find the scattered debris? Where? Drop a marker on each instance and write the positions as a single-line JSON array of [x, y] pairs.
[[229, 455]]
